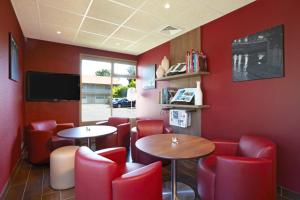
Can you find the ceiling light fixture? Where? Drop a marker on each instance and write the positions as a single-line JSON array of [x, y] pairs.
[[167, 5], [58, 32]]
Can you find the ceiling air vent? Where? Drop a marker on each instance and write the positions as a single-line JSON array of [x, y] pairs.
[[170, 30]]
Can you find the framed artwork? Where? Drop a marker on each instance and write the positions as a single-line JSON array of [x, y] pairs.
[[148, 76], [258, 56], [14, 72]]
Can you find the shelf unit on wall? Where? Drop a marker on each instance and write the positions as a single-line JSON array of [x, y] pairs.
[[178, 48], [188, 108], [173, 78], [180, 76]]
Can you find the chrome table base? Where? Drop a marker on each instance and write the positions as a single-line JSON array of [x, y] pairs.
[[184, 192]]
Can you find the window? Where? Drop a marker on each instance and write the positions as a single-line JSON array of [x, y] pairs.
[[105, 84]]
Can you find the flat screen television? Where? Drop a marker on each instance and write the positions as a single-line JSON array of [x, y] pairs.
[[45, 86]]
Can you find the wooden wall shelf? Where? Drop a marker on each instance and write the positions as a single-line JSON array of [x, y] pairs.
[[182, 106], [180, 76]]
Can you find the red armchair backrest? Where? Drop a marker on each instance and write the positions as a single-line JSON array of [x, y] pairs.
[[93, 173], [149, 127], [256, 147], [115, 121], [47, 125]]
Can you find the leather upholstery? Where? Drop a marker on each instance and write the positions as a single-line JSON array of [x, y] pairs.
[[119, 139], [42, 139], [239, 170], [146, 128], [105, 175]]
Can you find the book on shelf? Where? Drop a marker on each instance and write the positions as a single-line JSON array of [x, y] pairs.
[[167, 94], [192, 60]]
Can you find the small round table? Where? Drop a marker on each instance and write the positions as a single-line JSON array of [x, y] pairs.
[[176, 147], [87, 132]]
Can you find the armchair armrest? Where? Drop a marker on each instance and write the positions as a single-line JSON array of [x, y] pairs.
[[123, 135], [243, 173], [225, 148], [168, 130], [36, 135], [117, 154], [38, 145], [102, 123], [60, 127], [135, 184]]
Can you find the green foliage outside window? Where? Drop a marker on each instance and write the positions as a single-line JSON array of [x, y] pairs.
[[121, 90], [103, 72]]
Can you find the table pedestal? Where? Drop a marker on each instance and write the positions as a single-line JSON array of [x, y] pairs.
[[89, 143], [175, 190]]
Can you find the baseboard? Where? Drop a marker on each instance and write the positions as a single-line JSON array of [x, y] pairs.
[[286, 193]]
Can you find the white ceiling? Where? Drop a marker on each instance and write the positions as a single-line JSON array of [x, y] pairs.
[[127, 26]]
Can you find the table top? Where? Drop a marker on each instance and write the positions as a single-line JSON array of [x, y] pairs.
[[87, 131], [188, 146]]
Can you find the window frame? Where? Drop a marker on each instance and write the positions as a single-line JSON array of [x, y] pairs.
[[112, 61]]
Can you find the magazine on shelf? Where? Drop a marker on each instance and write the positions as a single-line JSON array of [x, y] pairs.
[[184, 95]]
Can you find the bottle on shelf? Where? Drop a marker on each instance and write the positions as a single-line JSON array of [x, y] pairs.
[[198, 94]]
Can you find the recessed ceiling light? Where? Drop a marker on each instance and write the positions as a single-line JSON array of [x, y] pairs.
[[58, 32], [167, 6]]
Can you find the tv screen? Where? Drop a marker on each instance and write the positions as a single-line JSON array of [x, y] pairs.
[[44, 86]]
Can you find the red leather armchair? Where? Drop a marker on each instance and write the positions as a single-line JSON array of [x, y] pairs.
[[105, 175], [119, 139], [42, 139], [146, 128], [244, 170]]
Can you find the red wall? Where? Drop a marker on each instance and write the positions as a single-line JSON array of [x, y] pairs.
[[11, 95], [269, 107], [54, 57], [266, 107], [147, 101]]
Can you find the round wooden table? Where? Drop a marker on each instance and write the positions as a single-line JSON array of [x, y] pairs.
[[183, 147], [87, 132]]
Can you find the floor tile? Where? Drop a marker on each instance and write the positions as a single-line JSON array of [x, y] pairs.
[[15, 192], [52, 196], [67, 194]]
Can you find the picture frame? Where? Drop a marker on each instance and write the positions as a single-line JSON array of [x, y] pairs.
[[259, 55], [148, 77], [14, 70]]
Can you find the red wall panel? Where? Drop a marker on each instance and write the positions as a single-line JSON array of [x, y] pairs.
[[54, 57], [267, 107], [147, 100], [11, 95]]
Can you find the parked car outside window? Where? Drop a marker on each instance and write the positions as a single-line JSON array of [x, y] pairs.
[[121, 103]]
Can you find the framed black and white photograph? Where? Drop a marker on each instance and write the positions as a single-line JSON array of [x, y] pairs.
[[14, 72], [148, 76], [258, 56]]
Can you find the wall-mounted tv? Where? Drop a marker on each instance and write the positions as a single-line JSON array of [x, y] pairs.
[[45, 86]]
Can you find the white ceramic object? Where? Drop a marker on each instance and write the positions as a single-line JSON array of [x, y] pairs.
[[165, 64], [198, 95], [62, 167], [160, 72]]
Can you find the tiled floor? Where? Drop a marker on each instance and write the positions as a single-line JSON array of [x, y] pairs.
[[31, 182]]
